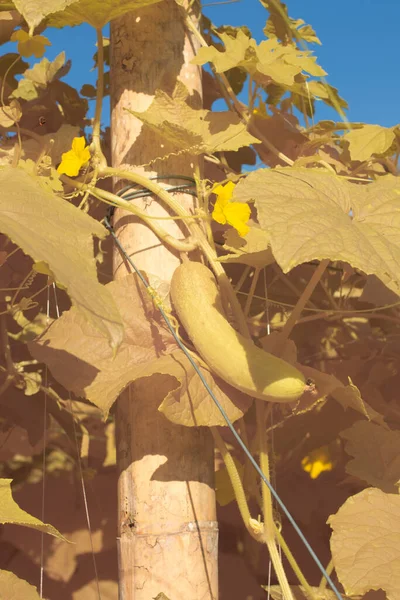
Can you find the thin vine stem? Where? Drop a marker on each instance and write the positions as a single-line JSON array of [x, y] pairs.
[[101, 159], [267, 508], [197, 233]]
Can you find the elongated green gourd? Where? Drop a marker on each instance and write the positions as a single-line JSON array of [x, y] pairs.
[[230, 355]]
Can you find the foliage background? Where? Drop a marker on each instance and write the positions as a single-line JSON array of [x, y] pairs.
[[364, 349]]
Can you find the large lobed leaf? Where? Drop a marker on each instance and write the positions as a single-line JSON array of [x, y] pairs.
[[195, 131], [80, 358], [34, 11], [50, 229], [60, 13], [95, 12], [376, 455], [270, 59], [369, 140], [365, 543], [312, 214]]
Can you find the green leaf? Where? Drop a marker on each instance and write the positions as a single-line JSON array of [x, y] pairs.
[[327, 93], [235, 52], [10, 512], [299, 593], [369, 140], [17, 589], [307, 214], [6, 63], [375, 452], [95, 12], [50, 229], [283, 63], [34, 11], [254, 249], [191, 130], [88, 90], [89, 369], [189, 403], [44, 71], [365, 543]]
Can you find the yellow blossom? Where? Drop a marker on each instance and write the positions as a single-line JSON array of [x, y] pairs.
[[73, 160], [30, 44], [234, 213], [317, 461]]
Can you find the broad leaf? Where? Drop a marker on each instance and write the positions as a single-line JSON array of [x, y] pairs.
[[50, 229], [369, 140], [34, 11], [44, 71], [194, 131], [349, 396], [235, 51], [376, 455], [365, 543], [10, 512], [17, 589], [299, 593], [81, 359], [254, 249], [95, 12], [190, 403], [308, 216]]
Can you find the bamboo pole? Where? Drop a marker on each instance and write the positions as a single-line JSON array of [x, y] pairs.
[[168, 535]]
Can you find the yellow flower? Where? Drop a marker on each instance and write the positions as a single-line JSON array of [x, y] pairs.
[[234, 213], [74, 159], [317, 461], [30, 44]]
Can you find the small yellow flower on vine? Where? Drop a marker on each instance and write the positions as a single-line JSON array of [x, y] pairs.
[[260, 111], [73, 160], [317, 461], [30, 44], [234, 213]]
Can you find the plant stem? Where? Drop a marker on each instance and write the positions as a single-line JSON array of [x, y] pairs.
[[99, 101], [292, 561], [236, 482], [197, 234], [237, 105], [249, 298], [329, 569], [269, 525], [290, 323]]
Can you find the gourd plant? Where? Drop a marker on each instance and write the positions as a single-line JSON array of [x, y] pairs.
[[318, 221]]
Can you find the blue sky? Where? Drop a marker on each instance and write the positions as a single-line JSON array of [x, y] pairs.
[[359, 50]]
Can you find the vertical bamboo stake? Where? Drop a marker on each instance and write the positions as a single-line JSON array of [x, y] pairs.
[[168, 534]]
